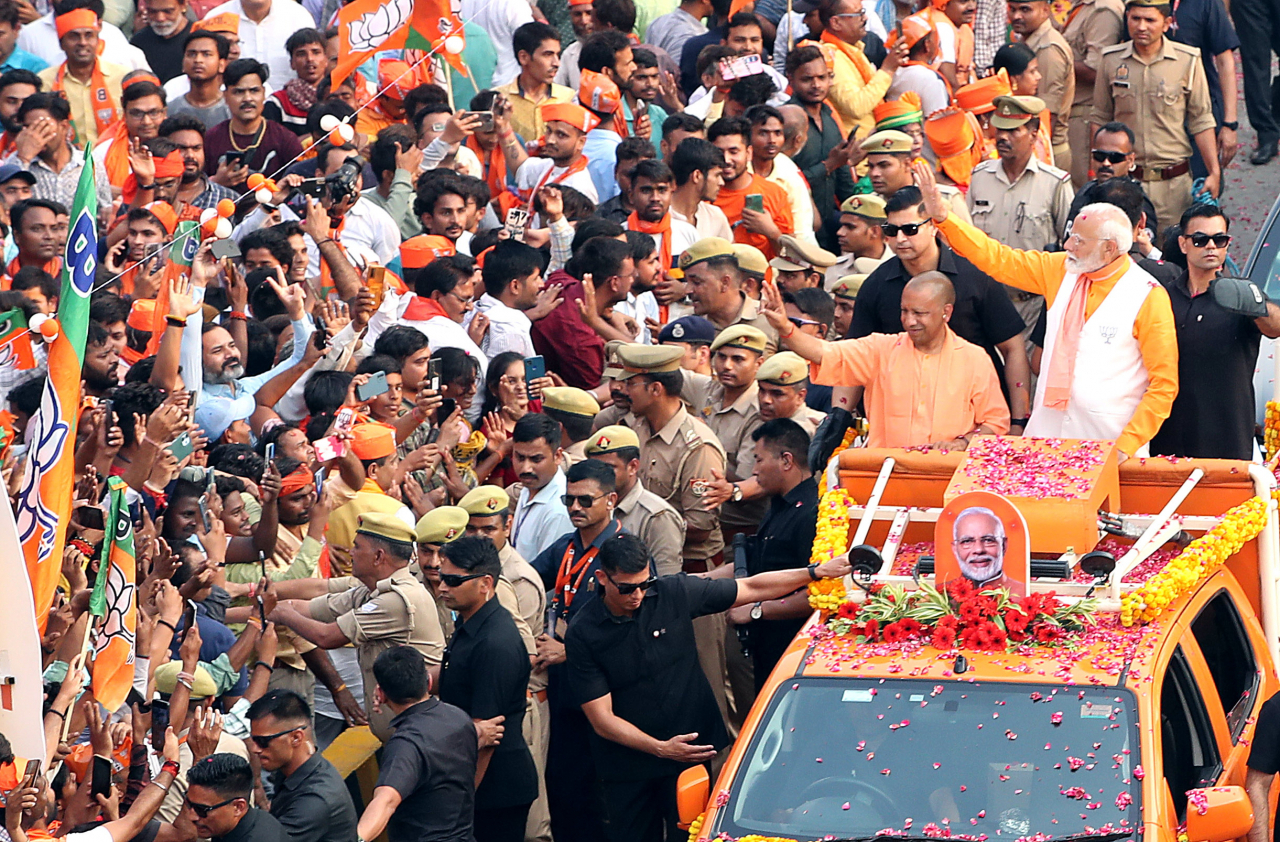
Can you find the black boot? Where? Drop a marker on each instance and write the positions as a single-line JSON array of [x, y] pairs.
[[1264, 153]]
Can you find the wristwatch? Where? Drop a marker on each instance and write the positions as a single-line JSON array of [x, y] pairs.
[[1234, 125], [757, 611], [737, 493]]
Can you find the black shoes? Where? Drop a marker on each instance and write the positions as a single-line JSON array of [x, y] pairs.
[[1264, 153]]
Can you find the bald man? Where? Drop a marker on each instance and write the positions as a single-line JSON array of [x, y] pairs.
[[925, 387]]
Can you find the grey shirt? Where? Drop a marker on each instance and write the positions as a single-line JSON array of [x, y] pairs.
[[211, 116]]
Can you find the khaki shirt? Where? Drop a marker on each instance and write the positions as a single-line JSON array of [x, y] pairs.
[[1027, 214], [614, 415], [750, 314], [733, 426], [675, 464], [400, 611], [573, 454], [657, 523], [1164, 102], [1058, 75], [1092, 26], [808, 418], [530, 599], [847, 264]]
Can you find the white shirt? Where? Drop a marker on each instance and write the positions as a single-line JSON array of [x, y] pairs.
[[508, 328], [570, 73], [500, 18], [925, 82], [683, 235], [264, 41], [40, 37], [180, 85], [787, 175], [708, 220], [366, 225], [541, 518], [532, 170], [640, 307]]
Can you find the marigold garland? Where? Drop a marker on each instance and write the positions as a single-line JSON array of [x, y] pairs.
[[1201, 558], [830, 540], [849, 435], [1271, 429], [695, 827]]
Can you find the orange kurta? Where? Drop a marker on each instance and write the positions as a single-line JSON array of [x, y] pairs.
[[913, 398], [1042, 272], [776, 204]]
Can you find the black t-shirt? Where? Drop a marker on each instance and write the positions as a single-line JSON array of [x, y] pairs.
[[313, 803], [1213, 415], [1085, 197], [1205, 24], [1264, 755], [257, 826], [649, 664], [163, 54], [784, 542], [431, 761], [485, 672]]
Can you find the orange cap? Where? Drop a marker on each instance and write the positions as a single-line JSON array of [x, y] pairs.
[[373, 440], [571, 113], [914, 28], [164, 212], [892, 114], [952, 134], [978, 97], [225, 22], [418, 251], [75, 19], [580, 2], [396, 78], [141, 314], [598, 92]]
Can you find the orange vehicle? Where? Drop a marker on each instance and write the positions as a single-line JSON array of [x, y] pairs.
[[1116, 701]]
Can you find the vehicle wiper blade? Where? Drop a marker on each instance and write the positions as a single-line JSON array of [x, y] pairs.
[[1078, 837]]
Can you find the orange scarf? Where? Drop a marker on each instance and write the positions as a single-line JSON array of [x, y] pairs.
[[53, 267], [158, 323], [1062, 366], [495, 165], [576, 167], [420, 309], [660, 228], [104, 107], [860, 61], [7, 145], [116, 160]]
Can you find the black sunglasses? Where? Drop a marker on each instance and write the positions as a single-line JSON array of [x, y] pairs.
[[910, 229], [799, 322], [626, 588], [586, 501], [1102, 156], [203, 810], [262, 741], [453, 580], [1200, 240]]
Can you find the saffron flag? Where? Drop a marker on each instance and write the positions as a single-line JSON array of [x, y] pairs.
[[15, 342], [44, 500], [367, 26], [114, 602], [433, 22]]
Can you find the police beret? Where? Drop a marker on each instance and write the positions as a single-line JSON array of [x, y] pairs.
[[693, 330], [847, 287], [203, 687], [648, 359], [1013, 111], [571, 400], [798, 256], [485, 500], [889, 140], [442, 525], [741, 336], [785, 368], [751, 259], [611, 439], [386, 526], [866, 205], [708, 248]]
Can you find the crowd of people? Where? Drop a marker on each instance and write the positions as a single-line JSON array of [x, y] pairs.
[[450, 433]]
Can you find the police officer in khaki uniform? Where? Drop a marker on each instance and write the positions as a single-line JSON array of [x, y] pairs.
[[1092, 26], [1033, 20], [800, 264], [679, 459], [620, 411], [488, 509], [754, 267], [639, 510], [889, 167], [576, 410], [784, 382], [845, 293], [380, 606], [861, 238], [1157, 87]]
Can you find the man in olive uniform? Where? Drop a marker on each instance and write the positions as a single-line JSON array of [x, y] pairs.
[[679, 459], [381, 605], [435, 529], [1015, 198], [861, 238], [754, 267], [1092, 26], [575, 409], [639, 510], [800, 264], [488, 508], [784, 381], [889, 168], [1033, 20], [1154, 69], [716, 274], [620, 411], [845, 294]]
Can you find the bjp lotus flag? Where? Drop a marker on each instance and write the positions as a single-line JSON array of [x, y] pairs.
[[15, 342], [114, 603], [367, 26], [432, 23], [44, 500]]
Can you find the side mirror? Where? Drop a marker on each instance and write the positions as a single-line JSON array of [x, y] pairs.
[[693, 788], [1218, 814]]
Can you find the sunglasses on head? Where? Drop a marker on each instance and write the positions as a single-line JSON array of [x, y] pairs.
[[910, 229], [453, 580], [627, 588], [1200, 240], [203, 810], [1102, 156], [586, 501], [261, 741]]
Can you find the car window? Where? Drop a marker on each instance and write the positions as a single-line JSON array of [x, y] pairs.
[[1220, 633], [1190, 755]]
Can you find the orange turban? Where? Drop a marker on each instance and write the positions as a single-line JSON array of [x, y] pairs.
[[75, 19], [571, 113], [418, 251], [141, 314], [896, 113], [373, 440], [171, 165], [953, 135], [978, 97]]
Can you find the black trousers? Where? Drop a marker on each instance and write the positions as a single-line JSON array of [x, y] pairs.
[[573, 790], [643, 811], [1258, 25], [501, 824]]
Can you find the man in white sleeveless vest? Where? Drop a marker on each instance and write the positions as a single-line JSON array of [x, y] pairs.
[[1110, 367]]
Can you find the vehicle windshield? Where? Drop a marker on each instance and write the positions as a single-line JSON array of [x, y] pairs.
[[841, 757]]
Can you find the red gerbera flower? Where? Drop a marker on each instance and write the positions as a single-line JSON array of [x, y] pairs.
[[960, 589], [848, 610], [896, 632], [871, 629], [996, 637], [943, 637], [971, 611], [949, 621], [1016, 621], [1048, 633]]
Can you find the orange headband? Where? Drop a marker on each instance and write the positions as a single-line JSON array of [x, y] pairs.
[[296, 481], [141, 77], [75, 19], [170, 166]]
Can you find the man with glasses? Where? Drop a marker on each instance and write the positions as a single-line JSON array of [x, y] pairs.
[[218, 802], [856, 85], [445, 295], [310, 800], [1218, 339], [1111, 157], [979, 542], [654, 718], [486, 673], [143, 104], [381, 605]]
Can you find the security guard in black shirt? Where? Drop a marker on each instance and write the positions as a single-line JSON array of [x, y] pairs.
[[486, 673]]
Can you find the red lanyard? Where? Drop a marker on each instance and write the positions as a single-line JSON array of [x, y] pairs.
[[566, 584]]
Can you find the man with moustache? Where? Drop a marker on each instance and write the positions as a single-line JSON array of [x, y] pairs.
[[1112, 156], [652, 186], [162, 39], [979, 542], [15, 86]]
